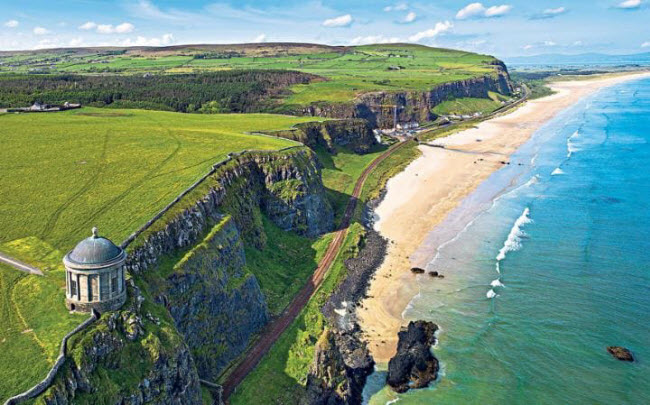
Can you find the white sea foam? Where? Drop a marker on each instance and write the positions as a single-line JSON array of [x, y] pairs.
[[392, 401], [570, 145], [513, 241], [491, 294], [557, 172], [497, 283], [533, 180]]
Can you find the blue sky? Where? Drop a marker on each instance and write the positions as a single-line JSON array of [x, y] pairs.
[[503, 28]]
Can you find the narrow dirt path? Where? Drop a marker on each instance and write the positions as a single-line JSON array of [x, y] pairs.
[[279, 325], [18, 265]]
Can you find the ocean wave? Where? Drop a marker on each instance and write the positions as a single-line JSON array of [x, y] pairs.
[[491, 294], [557, 172], [513, 241], [570, 145], [497, 283]]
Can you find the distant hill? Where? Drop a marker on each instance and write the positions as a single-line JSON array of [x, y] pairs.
[[580, 59]]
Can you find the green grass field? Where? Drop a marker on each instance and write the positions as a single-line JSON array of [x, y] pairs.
[[63, 173], [348, 72], [461, 106]]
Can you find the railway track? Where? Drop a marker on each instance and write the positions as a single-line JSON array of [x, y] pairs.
[[280, 324]]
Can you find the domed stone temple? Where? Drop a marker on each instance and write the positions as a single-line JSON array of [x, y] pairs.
[[95, 275]]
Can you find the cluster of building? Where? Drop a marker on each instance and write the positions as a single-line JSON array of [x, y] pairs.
[[43, 107]]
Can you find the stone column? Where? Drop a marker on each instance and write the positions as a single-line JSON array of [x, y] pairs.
[[110, 284]]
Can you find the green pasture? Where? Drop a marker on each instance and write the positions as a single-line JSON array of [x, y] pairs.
[[346, 72], [62, 174]]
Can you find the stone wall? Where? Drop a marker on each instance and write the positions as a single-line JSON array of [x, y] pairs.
[[47, 381]]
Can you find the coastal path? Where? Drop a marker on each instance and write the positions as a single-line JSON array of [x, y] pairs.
[[18, 265], [280, 324]]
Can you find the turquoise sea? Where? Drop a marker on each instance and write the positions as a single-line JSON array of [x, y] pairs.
[[553, 267]]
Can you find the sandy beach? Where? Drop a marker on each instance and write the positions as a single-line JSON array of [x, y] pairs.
[[420, 197]]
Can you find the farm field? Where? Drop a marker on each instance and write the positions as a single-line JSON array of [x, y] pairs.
[[347, 71], [66, 172]]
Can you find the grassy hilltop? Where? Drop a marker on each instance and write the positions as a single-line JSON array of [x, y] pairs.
[[344, 72], [66, 172]]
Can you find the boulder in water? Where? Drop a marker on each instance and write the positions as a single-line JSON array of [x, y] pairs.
[[414, 366], [417, 270], [620, 353]]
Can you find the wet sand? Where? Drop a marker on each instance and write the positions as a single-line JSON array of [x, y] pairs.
[[421, 196]]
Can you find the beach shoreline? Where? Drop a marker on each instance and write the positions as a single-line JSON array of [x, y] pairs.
[[418, 199]]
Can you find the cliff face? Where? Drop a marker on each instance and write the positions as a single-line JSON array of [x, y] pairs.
[[215, 303], [378, 107], [355, 134], [197, 306], [129, 356], [285, 185]]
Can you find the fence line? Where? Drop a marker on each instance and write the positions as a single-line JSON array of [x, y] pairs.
[[213, 169], [47, 381]]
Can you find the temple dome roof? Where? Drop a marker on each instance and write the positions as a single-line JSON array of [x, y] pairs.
[[95, 251]]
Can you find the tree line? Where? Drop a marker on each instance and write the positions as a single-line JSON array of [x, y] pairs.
[[212, 92]]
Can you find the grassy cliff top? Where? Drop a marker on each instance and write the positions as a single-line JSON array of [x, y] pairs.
[[65, 172], [346, 72]]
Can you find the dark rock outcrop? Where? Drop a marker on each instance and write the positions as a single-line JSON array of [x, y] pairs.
[[620, 353], [127, 357], [342, 363], [413, 366], [285, 185], [215, 303], [355, 134], [413, 106]]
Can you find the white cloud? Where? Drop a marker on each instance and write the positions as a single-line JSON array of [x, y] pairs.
[[397, 7], [629, 4], [497, 11], [439, 28], [470, 10], [76, 42], [578, 43], [260, 38], [88, 26], [123, 28], [164, 40], [410, 17], [478, 10], [554, 11], [40, 31], [12, 24], [549, 43], [373, 39], [340, 21], [527, 47], [645, 44]]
